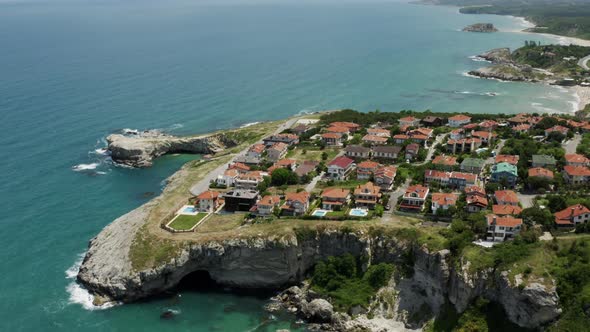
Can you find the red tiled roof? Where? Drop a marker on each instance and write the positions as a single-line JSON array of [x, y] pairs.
[[477, 200], [475, 190], [506, 158], [258, 148], [373, 138], [386, 171], [445, 198], [332, 135], [401, 136], [342, 162], [431, 173], [469, 177], [335, 193], [575, 158], [270, 200], [445, 160], [506, 196], [506, 209], [286, 162], [576, 170], [522, 127], [417, 189], [368, 164], [378, 131], [209, 194], [505, 221], [557, 128], [280, 146], [460, 117], [301, 197], [565, 216], [540, 172], [350, 125], [239, 166], [367, 189], [408, 119], [341, 130]]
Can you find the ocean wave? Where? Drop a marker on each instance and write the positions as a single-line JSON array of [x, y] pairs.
[[78, 294], [176, 126], [85, 167], [542, 109], [129, 131], [101, 151], [249, 124], [477, 58]]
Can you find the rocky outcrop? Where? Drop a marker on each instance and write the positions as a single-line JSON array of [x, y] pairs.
[[480, 27], [139, 150], [497, 55], [273, 262], [510, 72]]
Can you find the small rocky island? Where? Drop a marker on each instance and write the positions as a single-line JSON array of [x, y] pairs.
[[480, 27]]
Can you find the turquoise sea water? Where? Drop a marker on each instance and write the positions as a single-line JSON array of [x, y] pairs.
[[72, 72]]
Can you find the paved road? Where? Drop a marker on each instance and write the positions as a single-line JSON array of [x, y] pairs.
[[393, 197], [583, 62], [571, 145], [437, 141], [526, 200], [314, 182], [203, 185]]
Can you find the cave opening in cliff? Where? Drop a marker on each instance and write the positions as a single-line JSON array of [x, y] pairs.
[[199, 280]]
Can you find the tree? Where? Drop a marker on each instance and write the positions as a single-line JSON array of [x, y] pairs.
[[324, 155], [283, 176], [535, 215], [556, 203]]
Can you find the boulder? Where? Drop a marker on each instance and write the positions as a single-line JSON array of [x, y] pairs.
[[318, 311]]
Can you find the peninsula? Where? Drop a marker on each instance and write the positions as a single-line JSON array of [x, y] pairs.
[[480, 27], [367, 221]]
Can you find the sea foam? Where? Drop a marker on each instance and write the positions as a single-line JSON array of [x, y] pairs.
[[78, 294], [85, 167]]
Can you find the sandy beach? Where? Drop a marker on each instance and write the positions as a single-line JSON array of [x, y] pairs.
[[583, 93]]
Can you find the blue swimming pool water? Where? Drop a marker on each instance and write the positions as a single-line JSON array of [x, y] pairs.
[[358, 213], [319, 213], [189, 209]]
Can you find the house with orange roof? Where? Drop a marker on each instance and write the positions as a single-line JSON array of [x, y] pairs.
[[352, 127], [575, 159], [522, 128], [488, 125], [277, 151], [240, 167], [506, 197], [506, 158], [475, 203], [560, 129], [296, 204], [249, 180], [585, 128], [332, 139], [445, 162], [475, 190], [576, 175], [457, 134], [505, 210], [208, 201], [379, 132], [367, 195], [338, 130], [409, 121], [470, 127], [385, 176], [443, 201], [421, 132], [572, 216], [335, 199], [414, 198], [412, 151], [486, 137], [459, 120], [400, 138], [461, 180], [539, 172], [287, 163], [266, 205], [463, 145], [502, 228], [256, 151], [228, 178], [441, 178], [374, 140], [365, 169]]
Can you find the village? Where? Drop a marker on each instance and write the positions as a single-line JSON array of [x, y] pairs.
[[503, 173]]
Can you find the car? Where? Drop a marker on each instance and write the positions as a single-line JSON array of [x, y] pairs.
[[387, 207]]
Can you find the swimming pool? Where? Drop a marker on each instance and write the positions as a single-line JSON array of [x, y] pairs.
[[189, 209], [358, 213], [319, 213]]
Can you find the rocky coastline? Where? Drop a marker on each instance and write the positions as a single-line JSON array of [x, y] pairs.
[[480, 27], [505, 69]]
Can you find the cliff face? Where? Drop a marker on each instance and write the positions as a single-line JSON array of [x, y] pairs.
[[140, 150], [269, 262]]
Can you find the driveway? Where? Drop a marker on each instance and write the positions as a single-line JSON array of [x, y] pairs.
[[314, 182], [437, 141], [583, 62], [571, 145], [393, 197], [203, 185], [526, 200]]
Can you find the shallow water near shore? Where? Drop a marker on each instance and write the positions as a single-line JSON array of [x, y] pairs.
[[75, 71]]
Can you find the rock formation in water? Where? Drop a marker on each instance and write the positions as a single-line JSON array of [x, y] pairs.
[[480, 27]]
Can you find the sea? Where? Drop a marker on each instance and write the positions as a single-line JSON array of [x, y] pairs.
[[74, 71]]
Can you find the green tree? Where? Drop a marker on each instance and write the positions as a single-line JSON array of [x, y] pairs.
[[283, 176]]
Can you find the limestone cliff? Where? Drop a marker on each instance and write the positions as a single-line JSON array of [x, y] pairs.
[[141, 149], [272, 262]]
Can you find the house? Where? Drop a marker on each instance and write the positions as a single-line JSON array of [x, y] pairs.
[[367, 195], [502, 228], [541, 160], [409, 121], [575, 159], [334, 199], [486, 137], [366, 169], [386, 152], [576, 175], [256, 151], [433, 121], [240, 167], [289, 139], [228, 178], [414, 198], [504, 173], [384, 177], [412, 151], [357, 151], [296, 204], [539, 172], [439, 177], [400, 138], [572, 215], [470, 126], [506, 158], [266, 206], [249, 180], [445, 162], [306, 168], [300, 129], [463, 145], [461, 180], [488, 125], [476, 203], [521, 128], [506, 197], [459, 120], [248, 160], [338, 130], [277, 151], [374, 140], [287, 163], [332, 139], [340, 167], [505, 210], [472, 165], [240, 200], [427, 132], [379, 132], [208, 201], [457, 134], [443, 201], [559, 129], [352, 127]]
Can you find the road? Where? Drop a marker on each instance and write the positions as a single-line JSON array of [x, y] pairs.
[[526, 200], [583, 62], [571, 145], [314, 182], [203, 185], [393, 197], [431, 149]]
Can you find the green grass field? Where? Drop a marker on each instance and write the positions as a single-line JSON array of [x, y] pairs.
[[186, 222]]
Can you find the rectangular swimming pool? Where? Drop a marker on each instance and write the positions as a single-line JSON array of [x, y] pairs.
[[319, 213], [358, 213]]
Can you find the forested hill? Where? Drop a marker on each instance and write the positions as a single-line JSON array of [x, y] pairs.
[[561, 17]]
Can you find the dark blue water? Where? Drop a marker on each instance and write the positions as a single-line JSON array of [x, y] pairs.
[[72, 72]]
